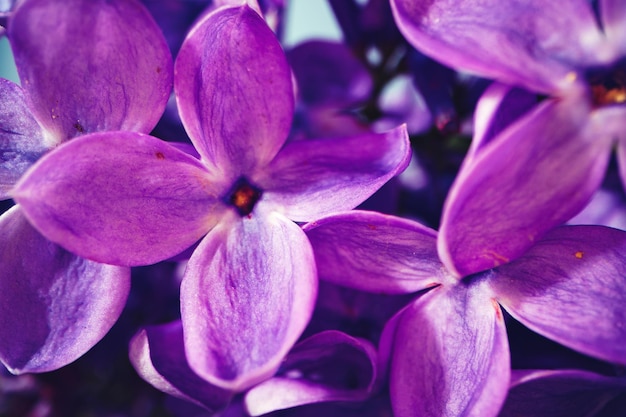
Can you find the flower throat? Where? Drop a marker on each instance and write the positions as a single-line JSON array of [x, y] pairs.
[[608, 85], [243, 196]]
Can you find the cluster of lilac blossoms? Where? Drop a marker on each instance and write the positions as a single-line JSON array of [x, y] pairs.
[[190, 205]]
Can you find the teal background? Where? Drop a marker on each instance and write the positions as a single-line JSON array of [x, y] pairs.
[[7, 67], [308, 19]]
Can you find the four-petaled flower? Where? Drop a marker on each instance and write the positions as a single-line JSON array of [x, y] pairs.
[[128, 199], [85, 66], [448, 349], [531, 167]]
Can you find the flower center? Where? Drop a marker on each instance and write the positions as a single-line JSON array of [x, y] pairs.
[[243, 196], [608, 86]]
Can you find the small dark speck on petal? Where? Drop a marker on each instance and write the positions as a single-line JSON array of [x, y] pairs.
[[159, 156]]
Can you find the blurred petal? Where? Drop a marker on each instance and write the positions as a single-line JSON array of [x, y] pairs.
[[329, 73], [562, 393], [91, 65], [569, 287], [531, 43], [616, 407], [612, 121], [21, 139], [614, 22], [329, 366], [247, 294], [54, 305], [537, 174], [606, 208], [350, 310], [499, 106], [158, 355], [234, 90], [386, 344], [451, 355], [120, 197], [313, 178], [400, 102], [374, 252]]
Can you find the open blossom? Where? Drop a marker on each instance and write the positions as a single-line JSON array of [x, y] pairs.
[[54, 305], [540, 170], [128, 199], [448, 349]]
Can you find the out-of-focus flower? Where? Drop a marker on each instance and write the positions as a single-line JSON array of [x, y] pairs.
[[6, 7], [336, 90], [608, 204], [326, 367], [249, 287], [448, 349], [564, 393], [607, 207], [542, 169], [85, 66]]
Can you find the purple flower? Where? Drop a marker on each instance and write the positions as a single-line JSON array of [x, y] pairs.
[[448, 349], [129, 199], [541, 169], [85, 66], [328, 366], [338, 94], [6, 7]]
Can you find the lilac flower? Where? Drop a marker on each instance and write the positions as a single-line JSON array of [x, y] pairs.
[[605, 208], [367, 24], [540, 170], [336, 88], [129, 199], [328, 366], [116, 75], [6, 7], [332, 84], [570, 393], [448, 349]]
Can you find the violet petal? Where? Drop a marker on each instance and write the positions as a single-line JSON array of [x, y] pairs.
[[569, 287], [329, 73], [234, 90], [531, 43], [21, 138], [451, 355], [498, 107], [535, 175], [612, 121], [328, 366], [55, 306], [122, 198], [246, 296], [374, 252], [613, 14], [91, 65], [312, 178], [386, 344], [158, 355]]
